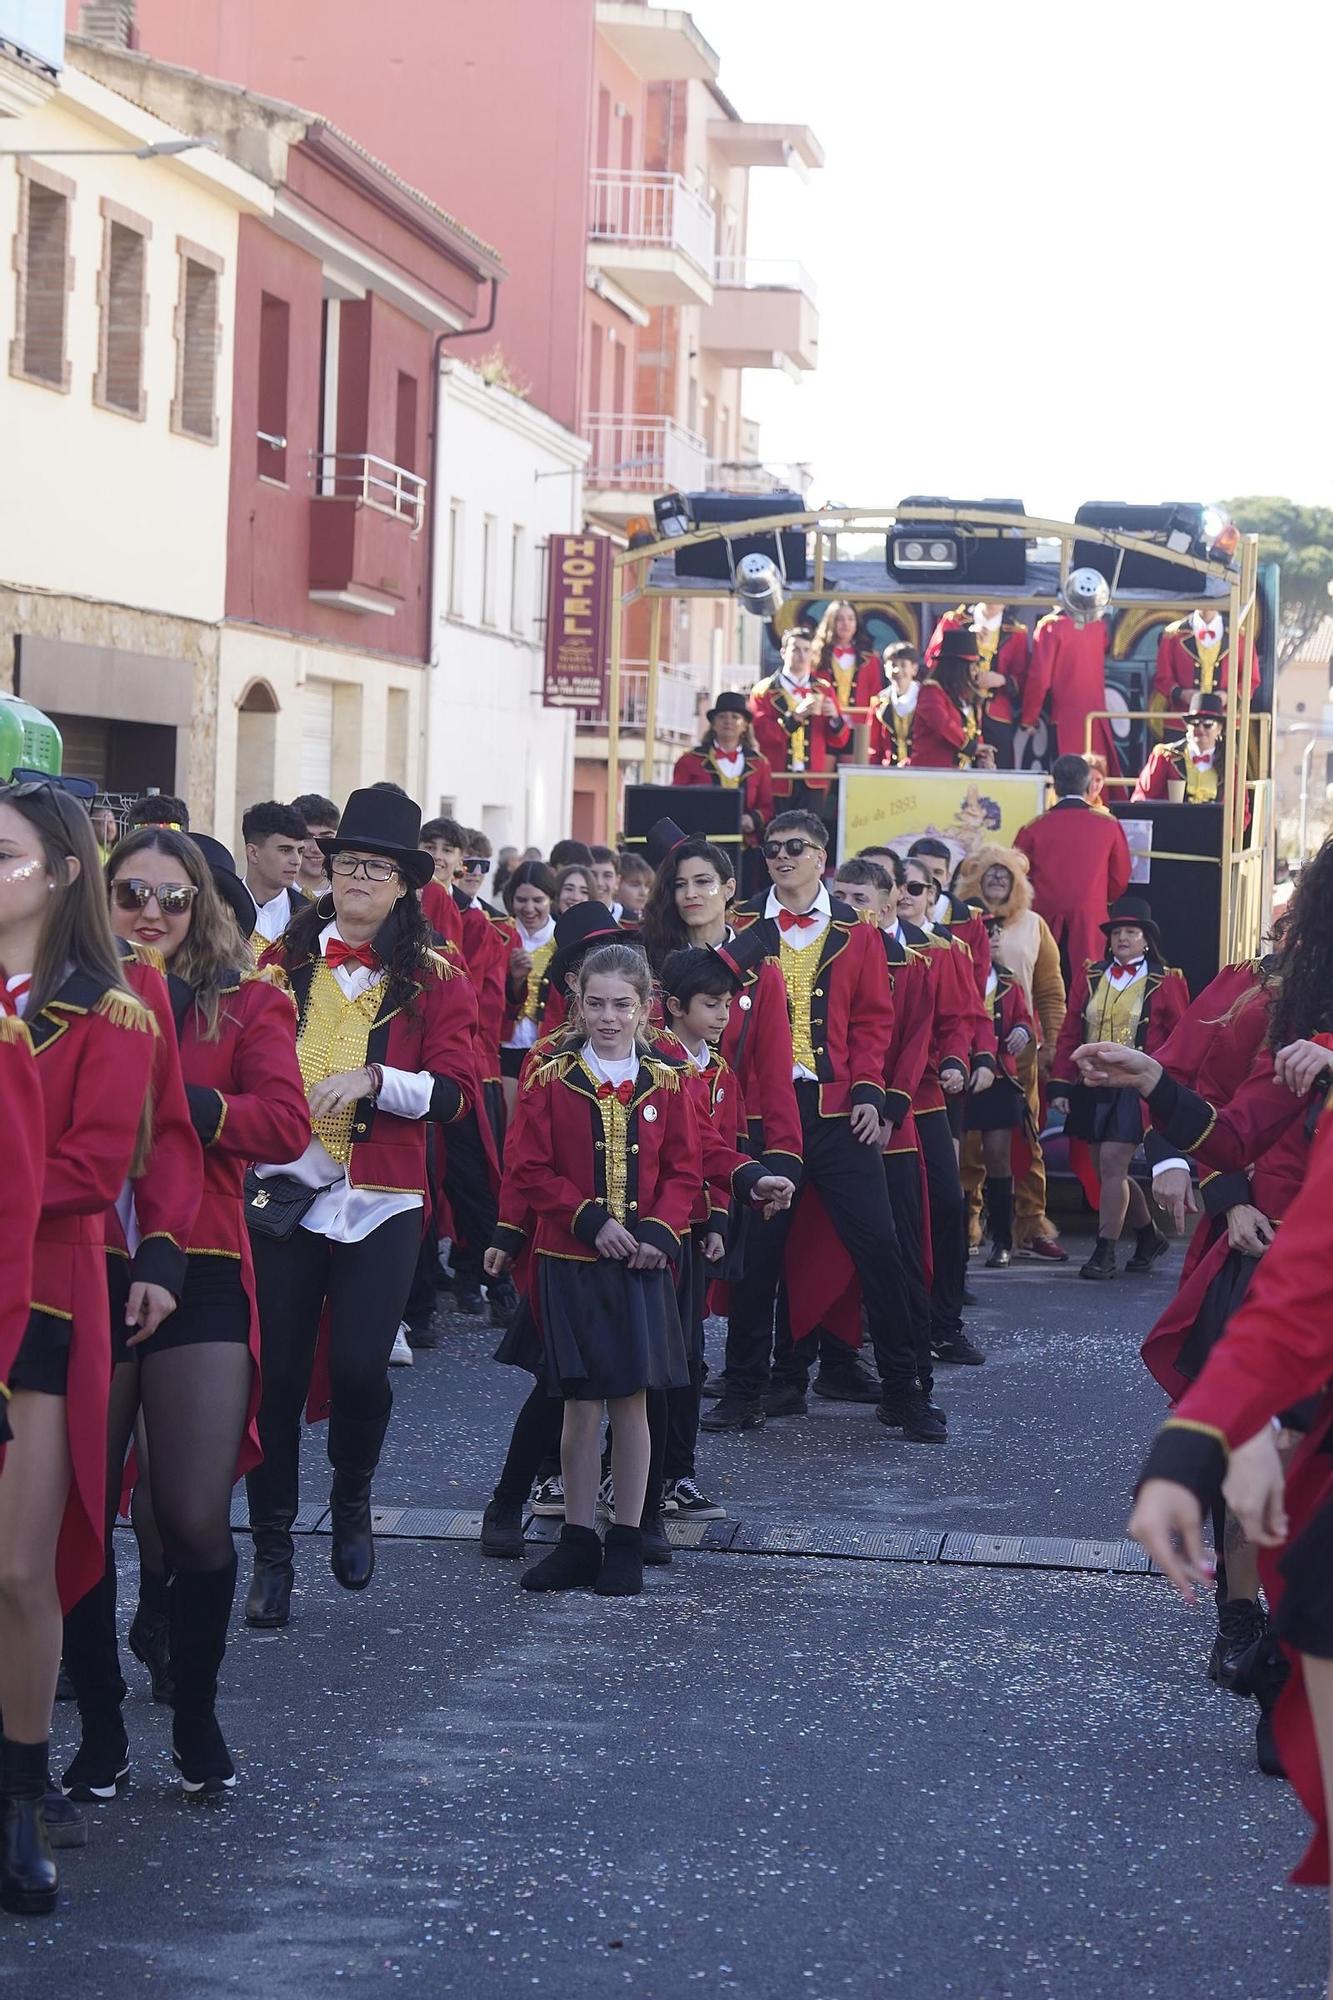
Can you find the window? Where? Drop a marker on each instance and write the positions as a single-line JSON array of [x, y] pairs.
[[405, 423], [518, 567], [45, 273], [122, 298], [274, 340], [457, 556], [194, 407], [489, 538], [396, 736], [330, 346]]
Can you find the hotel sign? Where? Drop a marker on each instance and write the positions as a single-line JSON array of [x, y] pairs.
[[578, 621]]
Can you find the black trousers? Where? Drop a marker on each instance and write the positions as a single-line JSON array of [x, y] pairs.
[[682, 1405], [467, 1183], [366, 1286], [851, 1184], [902, 1171], [948, 1224], [1000, 736]]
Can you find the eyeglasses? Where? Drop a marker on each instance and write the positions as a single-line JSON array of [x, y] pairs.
[[795, 848], [356, 864], [917, 888], [173, 899]]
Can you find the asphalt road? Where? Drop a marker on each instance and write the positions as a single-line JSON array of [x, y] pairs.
[[770, 1775]]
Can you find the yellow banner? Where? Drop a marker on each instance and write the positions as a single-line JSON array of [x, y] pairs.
[[968, 809]]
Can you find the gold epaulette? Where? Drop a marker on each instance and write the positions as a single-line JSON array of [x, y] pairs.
[[664, 1074], [148, 954], [1172, 972], [551, 1069], [270, 975], [13, 1029], [126, 1010], [442, 967]]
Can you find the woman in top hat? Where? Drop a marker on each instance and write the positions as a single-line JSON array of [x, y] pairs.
[[946, 733], [729, 756], [94, 1042], [1132, 997], [1195, 761], [196, 1379], [384, 1040]]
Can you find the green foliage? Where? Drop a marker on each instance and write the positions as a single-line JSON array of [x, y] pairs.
[[1300, 539]]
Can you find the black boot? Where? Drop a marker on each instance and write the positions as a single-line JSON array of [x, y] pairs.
[[502, 1529], [1000, 1210], [1240, 1621], [28, 1879], [1149, 1245], [354, 1452], [1101, 1264], [148, 1632], [573, 1563], [1263, 1670], [199, 1610], [622, 1564], [92, 1661], [271, 1492]]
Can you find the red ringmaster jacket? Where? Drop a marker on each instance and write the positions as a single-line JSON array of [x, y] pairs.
[[851, 1009], [1179, 671], [945, 732], [167, 1192], [1009, 1010], [699, 767], [784, 737], [907, 1052], [442, 913], [1010, 659], [21, 1107], [956, 1014], [1166, 998], [756, 1043], [1069, 665], [1078, 865]]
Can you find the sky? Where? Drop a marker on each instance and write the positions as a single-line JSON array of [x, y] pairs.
[[1064, 251]]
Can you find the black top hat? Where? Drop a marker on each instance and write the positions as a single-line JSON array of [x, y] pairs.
[[1134, 910], [577, 931], [387, 823], [662, 839], [958, 644], [746, 950], [1208, 704], [729, 703], [227, 882]]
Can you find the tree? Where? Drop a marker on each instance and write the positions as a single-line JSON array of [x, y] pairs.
[[1300, 540]]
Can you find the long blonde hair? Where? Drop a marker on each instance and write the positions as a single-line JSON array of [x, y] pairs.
[[213, 951]]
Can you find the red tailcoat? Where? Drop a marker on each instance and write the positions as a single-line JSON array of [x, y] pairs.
[[907, 1053], [884, 746], [780, 734], [851, 1010], [556, 1167], [955, 1015], [1069, 664], [434, 1032], [442, 912], [945, 733], [1165, 1001], [167, 1192], [1179, 672], [697, 767], [857, 678], [756, 1043], [487, 942], [25, 1128], [94, 1050], [1171, 761], [1010, 659], [715, 1095], [1009, 1010], [1078, 865]]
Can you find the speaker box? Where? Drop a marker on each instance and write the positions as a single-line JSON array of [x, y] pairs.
[[713, 561], [992, 558], [712, 811], [1170, 522]]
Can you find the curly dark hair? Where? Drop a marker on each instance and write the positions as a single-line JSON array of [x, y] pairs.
[[660, 926], [403, 942], [1302, 976]]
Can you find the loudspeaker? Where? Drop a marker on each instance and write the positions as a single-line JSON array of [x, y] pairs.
[[1174, 524], [984, 556], [1186, 895], [714, 561], [712, 811]]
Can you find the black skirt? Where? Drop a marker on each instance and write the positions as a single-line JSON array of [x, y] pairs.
[[608, 1331], [511, 1061], [212, 1307], [42, 1362], [521, 1346], [1105, 1117], [1304, 1618], [1223, 1298], [1002, 1108]]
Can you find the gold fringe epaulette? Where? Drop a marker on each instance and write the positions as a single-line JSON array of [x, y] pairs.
[[270, 975], [665, 1074], [1050, 617], [442, 967], [551, 1069], [12, 1029], [123, 1010], [148, 954]]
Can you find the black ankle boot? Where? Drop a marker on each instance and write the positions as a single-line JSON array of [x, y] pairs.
[[270, 1492], [1000, 1211], [502, 1529], [1101, 1264], [28, 1879], [1149, 1245], [573, 1563], [199, 1609], [268, 1602], [622, 1564], [353, 1551]]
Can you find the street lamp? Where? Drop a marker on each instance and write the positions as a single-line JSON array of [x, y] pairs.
[[160, 149]]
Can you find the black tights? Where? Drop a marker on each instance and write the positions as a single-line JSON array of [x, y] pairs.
[[193, 1402]]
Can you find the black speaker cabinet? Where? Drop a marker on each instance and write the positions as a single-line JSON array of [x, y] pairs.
[[1172, 523], [1185, 894], [713, 561], [712, 811], [985, 557]]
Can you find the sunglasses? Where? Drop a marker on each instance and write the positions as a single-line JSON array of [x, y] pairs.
[[476, 864], [795, 848], [173, 899], [917, 888], [26, 784]]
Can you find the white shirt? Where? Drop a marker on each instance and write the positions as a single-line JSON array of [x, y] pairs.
[[943, 908], [272, 919], [1207, 631], [1204, 763], [795, 687], [525, 1032], [905, 704], [1121, 978], [731, 763], [346, 1214], [621, 1069], [799, 937], [895, 931]]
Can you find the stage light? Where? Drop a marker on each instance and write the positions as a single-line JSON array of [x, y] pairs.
[[639, 532], [1221, 534], [911, 552], [674, 515], [759, 585]]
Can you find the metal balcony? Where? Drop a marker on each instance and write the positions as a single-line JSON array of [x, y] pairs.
[[653, 236], [678, 709], [366, 519], [633, 458]]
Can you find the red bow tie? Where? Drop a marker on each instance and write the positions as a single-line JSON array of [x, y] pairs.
[[788, 920], [337, 953], [1206, 759], [624, 1091], [1119, 965]]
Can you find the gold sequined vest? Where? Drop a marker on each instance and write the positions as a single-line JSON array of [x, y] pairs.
[[333, 1038], [1112, 1016], [541, 956], [615, 1138], [800, 969]]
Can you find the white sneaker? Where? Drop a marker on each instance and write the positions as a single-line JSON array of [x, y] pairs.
[[606, 1497], [400, 1354]]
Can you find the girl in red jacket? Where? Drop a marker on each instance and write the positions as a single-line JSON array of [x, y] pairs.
[[1000, 1112], [196, 1380], [605, 1153], [946, 732], [94, 1046]]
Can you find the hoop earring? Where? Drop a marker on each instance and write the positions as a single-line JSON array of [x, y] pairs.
[[325, 916]]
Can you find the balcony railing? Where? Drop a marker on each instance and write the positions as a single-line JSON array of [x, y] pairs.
[[764, 274], [678, 691], [750, 476], [374, 482], [652, 212], [643, 455]]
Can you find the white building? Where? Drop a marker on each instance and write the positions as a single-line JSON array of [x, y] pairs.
[[508, 478]]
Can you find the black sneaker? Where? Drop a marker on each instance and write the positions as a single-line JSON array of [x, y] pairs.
[[502, 1529], [100, 1763], [786, 1400], [713, 1387], [200, 1755], [1240, 1622], [1149, 1245], [686, 1500], [467, 1297], [959, 1350], [847, 1382], [912, 1415], [548, 1498], [422, 1337], [730, 1413], [656, 1547]]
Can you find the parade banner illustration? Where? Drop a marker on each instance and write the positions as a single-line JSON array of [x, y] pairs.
[[968, 809], [578, 621]]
